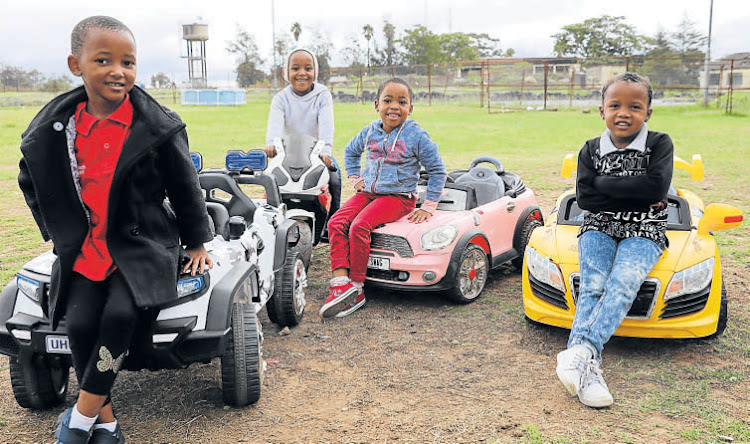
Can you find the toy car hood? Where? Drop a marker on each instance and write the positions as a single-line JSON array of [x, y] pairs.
[[41, 264], [411, 231]]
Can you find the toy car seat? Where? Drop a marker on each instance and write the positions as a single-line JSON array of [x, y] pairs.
[[486, 182], [237, 205], [220, 217]]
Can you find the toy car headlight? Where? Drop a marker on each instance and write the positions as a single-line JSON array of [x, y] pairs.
[[690, 280], [29, 287], [438, 238], [191, 285], [544, 269]]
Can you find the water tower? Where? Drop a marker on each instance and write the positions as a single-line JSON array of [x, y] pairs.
[[196, 35]]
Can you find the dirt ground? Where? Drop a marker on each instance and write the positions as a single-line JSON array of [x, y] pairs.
[[410, 367]]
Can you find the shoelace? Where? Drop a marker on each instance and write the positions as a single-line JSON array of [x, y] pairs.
[[592, 375], [577, 363]]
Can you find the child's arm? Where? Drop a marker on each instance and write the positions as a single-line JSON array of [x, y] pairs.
[[198, 260], [184, 191], [275, 126], [587, 195], [648, 188], [353, 153], [429, 157], [29, 193], [325, 124]]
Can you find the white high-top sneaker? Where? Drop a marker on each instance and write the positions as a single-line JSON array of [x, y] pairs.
[[571, 364], [594, 391]]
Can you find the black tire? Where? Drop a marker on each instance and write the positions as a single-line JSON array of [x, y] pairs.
[[467, 285], [305, 243], [242, 361], [528, 227], [287, 305], [721, 323], [37, 385]]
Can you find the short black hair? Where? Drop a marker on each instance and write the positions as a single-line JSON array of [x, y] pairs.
[[396, 80], [78, 35], [632, 78]]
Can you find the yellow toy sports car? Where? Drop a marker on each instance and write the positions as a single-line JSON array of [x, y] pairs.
[[682, 297]]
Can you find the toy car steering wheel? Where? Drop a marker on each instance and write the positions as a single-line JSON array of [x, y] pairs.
[[487, 159]]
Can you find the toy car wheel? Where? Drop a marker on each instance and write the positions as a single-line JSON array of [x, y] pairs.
[[721, 323], [471, 275], [528, 227], [38, 385], [242, 361], [287, 305], [305, 244]]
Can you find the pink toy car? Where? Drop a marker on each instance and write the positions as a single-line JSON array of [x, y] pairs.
[[484, 219]]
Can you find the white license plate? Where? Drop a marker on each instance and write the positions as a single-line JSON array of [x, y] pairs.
[[58, 345], [379, 263]]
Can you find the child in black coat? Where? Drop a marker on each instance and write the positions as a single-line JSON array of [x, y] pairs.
[[97, 165]]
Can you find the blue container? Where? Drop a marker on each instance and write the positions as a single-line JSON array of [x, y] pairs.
[[213, 97]]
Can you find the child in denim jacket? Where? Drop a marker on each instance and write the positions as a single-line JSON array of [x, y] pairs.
[[622, 183], [396, 149]]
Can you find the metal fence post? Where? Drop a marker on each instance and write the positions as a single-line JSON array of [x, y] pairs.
[[572, 85], [730, 93], [546, 70], [523, 81], [718, 87], [361, 87], [429, 84], [481, 84]]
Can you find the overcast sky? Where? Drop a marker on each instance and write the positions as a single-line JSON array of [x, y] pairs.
[[35, 34]]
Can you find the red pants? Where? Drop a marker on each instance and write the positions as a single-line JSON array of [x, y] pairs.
[[350, 227]]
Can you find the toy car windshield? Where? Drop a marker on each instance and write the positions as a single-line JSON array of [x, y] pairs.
[[573, 213], [254, 160]]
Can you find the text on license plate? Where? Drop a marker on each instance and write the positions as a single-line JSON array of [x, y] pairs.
[[379, 263], [58, 344]]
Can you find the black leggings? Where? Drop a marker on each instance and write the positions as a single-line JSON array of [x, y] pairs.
[[100, 319]]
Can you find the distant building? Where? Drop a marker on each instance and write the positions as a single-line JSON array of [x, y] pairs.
[[734, 67]]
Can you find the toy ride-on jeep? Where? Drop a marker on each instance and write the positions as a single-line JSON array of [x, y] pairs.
[[260, 259]]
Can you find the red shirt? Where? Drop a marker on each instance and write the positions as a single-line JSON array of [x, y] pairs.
[[98, 146]]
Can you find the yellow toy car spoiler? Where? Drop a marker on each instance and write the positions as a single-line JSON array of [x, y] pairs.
[[695, 168]]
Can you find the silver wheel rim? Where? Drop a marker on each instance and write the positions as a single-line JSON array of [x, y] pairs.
[[473, 274], [300, 283]]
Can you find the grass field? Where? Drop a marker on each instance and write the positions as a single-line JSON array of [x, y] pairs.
[[681, 399]]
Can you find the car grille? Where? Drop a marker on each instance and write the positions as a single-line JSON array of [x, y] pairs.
[[643, 302], [547, 293], [380, 241], [685, 304], [387, 275]]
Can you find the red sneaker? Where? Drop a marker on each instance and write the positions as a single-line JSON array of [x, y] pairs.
[[358, 301], [338, 298]]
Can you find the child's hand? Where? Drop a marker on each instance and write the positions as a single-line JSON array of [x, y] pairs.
[[327, 160], [270, 150], [359, 186], [419, 216], [198, 260]]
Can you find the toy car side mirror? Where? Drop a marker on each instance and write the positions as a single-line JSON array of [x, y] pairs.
[[719, 217]]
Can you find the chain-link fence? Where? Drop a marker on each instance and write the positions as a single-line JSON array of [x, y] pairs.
[[505, 84]]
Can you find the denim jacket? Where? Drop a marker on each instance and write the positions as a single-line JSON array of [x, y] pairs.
[[393, 160]]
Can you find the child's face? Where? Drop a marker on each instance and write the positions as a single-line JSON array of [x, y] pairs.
[[624, 110], [106, 64], [393, 105], [301, 72]]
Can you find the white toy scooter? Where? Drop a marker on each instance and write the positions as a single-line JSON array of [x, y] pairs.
[[303, 180]]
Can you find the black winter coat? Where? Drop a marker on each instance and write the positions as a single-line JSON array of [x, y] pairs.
[[143, 238]]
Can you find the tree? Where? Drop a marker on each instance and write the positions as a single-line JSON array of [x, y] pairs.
[[510, 52], [248, 58], [353, 54], [367, 32], [687, 39], [421, 46], [296, 31], [57, 84], [485, 45], [160, 80], [456, 47], [598, 37], [389, 54], [322, 47], [12, 76]]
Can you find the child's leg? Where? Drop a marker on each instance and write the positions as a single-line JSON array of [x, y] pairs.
[[338, 229], [112, 331], [596, 254], [635, 258], [382, 210]]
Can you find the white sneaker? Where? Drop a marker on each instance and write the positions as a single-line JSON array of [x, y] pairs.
[[571, 364], [594, 391]]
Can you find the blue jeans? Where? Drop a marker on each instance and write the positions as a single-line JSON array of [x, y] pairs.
[[611, 274]]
